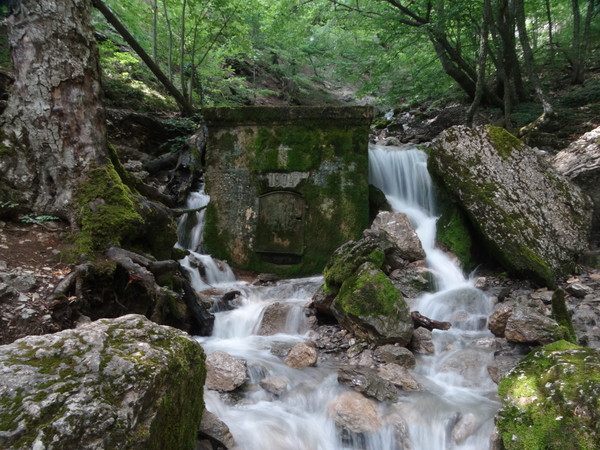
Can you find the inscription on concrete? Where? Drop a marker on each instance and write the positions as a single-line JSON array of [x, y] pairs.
[[286, 180]]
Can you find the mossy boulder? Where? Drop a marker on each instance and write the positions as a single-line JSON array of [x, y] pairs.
[[123, 383], [551, 400], [532, 220], [370, 306]]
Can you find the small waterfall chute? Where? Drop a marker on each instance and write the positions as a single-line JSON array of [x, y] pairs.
[[204, 271]]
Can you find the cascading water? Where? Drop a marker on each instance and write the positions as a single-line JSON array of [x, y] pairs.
[[455, 409], [203, 270], [460, 396]]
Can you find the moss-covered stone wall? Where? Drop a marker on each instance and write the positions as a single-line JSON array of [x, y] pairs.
[[288, 185]]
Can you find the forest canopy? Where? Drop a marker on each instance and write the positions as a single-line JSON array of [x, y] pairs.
[[392, 52]]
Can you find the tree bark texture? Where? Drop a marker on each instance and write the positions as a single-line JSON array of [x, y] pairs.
[[54, 123]]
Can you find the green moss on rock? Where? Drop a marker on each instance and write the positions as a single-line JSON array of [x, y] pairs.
[[368, 293], [108, 211], [551, 400], [561, 315], [503, 141]]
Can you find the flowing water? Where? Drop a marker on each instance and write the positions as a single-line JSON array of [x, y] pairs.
[[455, 408]]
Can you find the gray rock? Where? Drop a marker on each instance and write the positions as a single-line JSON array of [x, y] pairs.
[[422, 341], [7, 291], [215, 430], [353, 412], [274, 319], [397, 226], [535, 220], [580, 162], [395, 418], [301, 355], [398, 376], [368, 382], [275, 385], [114, 383], [396, 354], [225, 373], [527, 325], [465, 427], [578, 290], [497, 321]]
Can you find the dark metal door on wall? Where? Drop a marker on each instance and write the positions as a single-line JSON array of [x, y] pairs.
[[280, 227]]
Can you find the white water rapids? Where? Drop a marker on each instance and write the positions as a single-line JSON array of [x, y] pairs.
[[455, 408]]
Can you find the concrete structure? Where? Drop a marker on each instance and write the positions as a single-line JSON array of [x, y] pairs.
[[288, 185]]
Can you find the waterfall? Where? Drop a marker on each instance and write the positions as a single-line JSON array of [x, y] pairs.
[[203, 270], [458, 385], [456, 406]]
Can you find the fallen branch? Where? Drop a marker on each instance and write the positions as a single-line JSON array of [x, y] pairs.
[[420, 320]]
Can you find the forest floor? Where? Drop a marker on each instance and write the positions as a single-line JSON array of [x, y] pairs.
[[29, 265]]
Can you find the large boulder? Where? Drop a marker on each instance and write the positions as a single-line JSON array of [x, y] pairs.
[[550, 399], [114, 383], [370, 306], [534, 220], [580, 162]]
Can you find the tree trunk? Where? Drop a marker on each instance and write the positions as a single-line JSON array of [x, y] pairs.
[[550, 31], [186, 108], [576, 60], [170, 44], [54, 122], [482, 60], [548, 111]]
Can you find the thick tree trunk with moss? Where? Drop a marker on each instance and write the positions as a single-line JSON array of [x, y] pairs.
[[53, 127]]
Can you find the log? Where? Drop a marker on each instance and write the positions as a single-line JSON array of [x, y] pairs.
[[419, 320]]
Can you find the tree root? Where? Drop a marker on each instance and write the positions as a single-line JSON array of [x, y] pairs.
[[126, 282]]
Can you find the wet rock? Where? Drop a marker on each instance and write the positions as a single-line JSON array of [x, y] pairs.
[[371, 307], [398, 376], [215, 431], [497, 321], [274, 318], [402, 233], [224, 372], [106, 383], [527, 325], [422, 341], [353, 412], [275, 385], [465, 427], [535, 221], [412, 280], [368, 382], [395, 418], [396, 354], [301, 355]]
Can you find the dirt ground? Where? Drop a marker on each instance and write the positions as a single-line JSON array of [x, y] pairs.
[[30, 269]]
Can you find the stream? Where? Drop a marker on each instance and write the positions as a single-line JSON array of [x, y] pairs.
[[457, 403]]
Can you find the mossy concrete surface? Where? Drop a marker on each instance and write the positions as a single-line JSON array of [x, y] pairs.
[[551, 400], [124, 383], [260, 160]]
